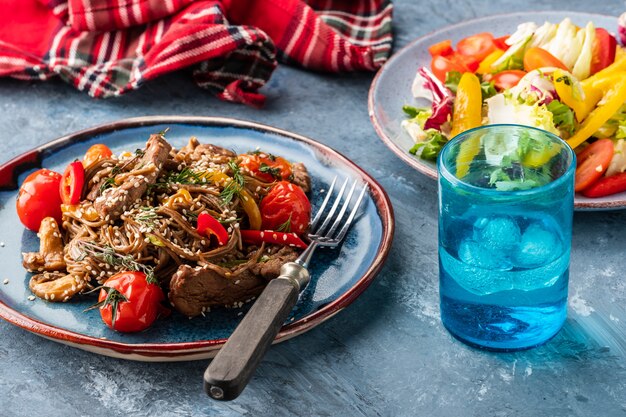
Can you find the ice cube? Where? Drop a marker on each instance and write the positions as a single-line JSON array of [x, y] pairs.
[[477, 254], [538, 247], [498, 234], [477, 271]]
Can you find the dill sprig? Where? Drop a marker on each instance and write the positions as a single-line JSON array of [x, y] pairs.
[[147, 216], [113, 298], [108, 183], [185, 176], [285, 227], [108, 255], [235, 186], [192, 217]]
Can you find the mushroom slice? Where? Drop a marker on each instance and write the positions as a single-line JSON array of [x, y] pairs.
[[50, 255], [55, 286]]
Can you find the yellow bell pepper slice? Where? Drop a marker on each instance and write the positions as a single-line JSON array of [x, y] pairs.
[[485, 64], [247, 202], [467, 114], [618, 66], [181, 196], [251, 209], [83, 211], [536, 159], [580, 99], [613, 99]]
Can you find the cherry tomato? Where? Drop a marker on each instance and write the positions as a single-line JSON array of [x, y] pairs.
[[477, 46], [604, 48], [470, 63], [507, 79], [592, 163], [501, 42], [129, 303], [286, 209], [606, 186], [266, 167], [540, 58], [72, 182], [441, 65], [95, 153], [208, 225], [442, 48], [39, 198]]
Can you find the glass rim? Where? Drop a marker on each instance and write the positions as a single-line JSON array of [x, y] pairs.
[[457, 182]]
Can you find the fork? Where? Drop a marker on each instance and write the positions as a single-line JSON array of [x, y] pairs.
[[231, 369]]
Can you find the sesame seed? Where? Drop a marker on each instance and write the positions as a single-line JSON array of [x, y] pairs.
[[6, 281], [31, 298]]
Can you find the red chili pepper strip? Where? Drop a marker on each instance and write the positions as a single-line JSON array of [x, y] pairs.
[[72, 182], [208, 225], [270, 236]]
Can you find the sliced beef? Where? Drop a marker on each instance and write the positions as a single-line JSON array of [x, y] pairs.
[[214, 153], [270, 269], [301, 176], [193, 290], [114, 201]]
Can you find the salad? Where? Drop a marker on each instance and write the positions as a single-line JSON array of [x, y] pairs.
[[562, 78]]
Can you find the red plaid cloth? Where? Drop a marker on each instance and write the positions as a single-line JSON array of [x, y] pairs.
[[107, 47]]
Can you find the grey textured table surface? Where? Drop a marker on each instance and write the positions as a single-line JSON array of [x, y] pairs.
[[387, 354]]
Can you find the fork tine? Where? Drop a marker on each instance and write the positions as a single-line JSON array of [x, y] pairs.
[[346, 226], [331, 213], [344, 207], [318, 215]]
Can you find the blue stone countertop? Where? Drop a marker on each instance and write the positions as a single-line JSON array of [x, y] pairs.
[[385, 355]]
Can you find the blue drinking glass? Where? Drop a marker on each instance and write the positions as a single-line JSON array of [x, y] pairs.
[[506, 200]]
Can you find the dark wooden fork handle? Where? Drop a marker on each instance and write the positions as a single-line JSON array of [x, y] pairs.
[[229, 372]]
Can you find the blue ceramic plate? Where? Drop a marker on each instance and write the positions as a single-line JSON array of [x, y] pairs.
[[391, 88], [338, 277]]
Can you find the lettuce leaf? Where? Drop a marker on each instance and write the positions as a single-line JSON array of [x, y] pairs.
[[487, 88], [503, 110], [431, 147], [562, 116]]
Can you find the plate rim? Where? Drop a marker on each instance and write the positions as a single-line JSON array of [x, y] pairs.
[[584, 205], [177, 349]]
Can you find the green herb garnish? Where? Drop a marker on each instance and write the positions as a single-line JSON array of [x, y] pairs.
[[285, 227], [113, 298], [108, 255], [234, 187], [273, 171]]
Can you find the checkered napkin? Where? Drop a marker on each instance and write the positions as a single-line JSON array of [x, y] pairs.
[[107, 47]]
